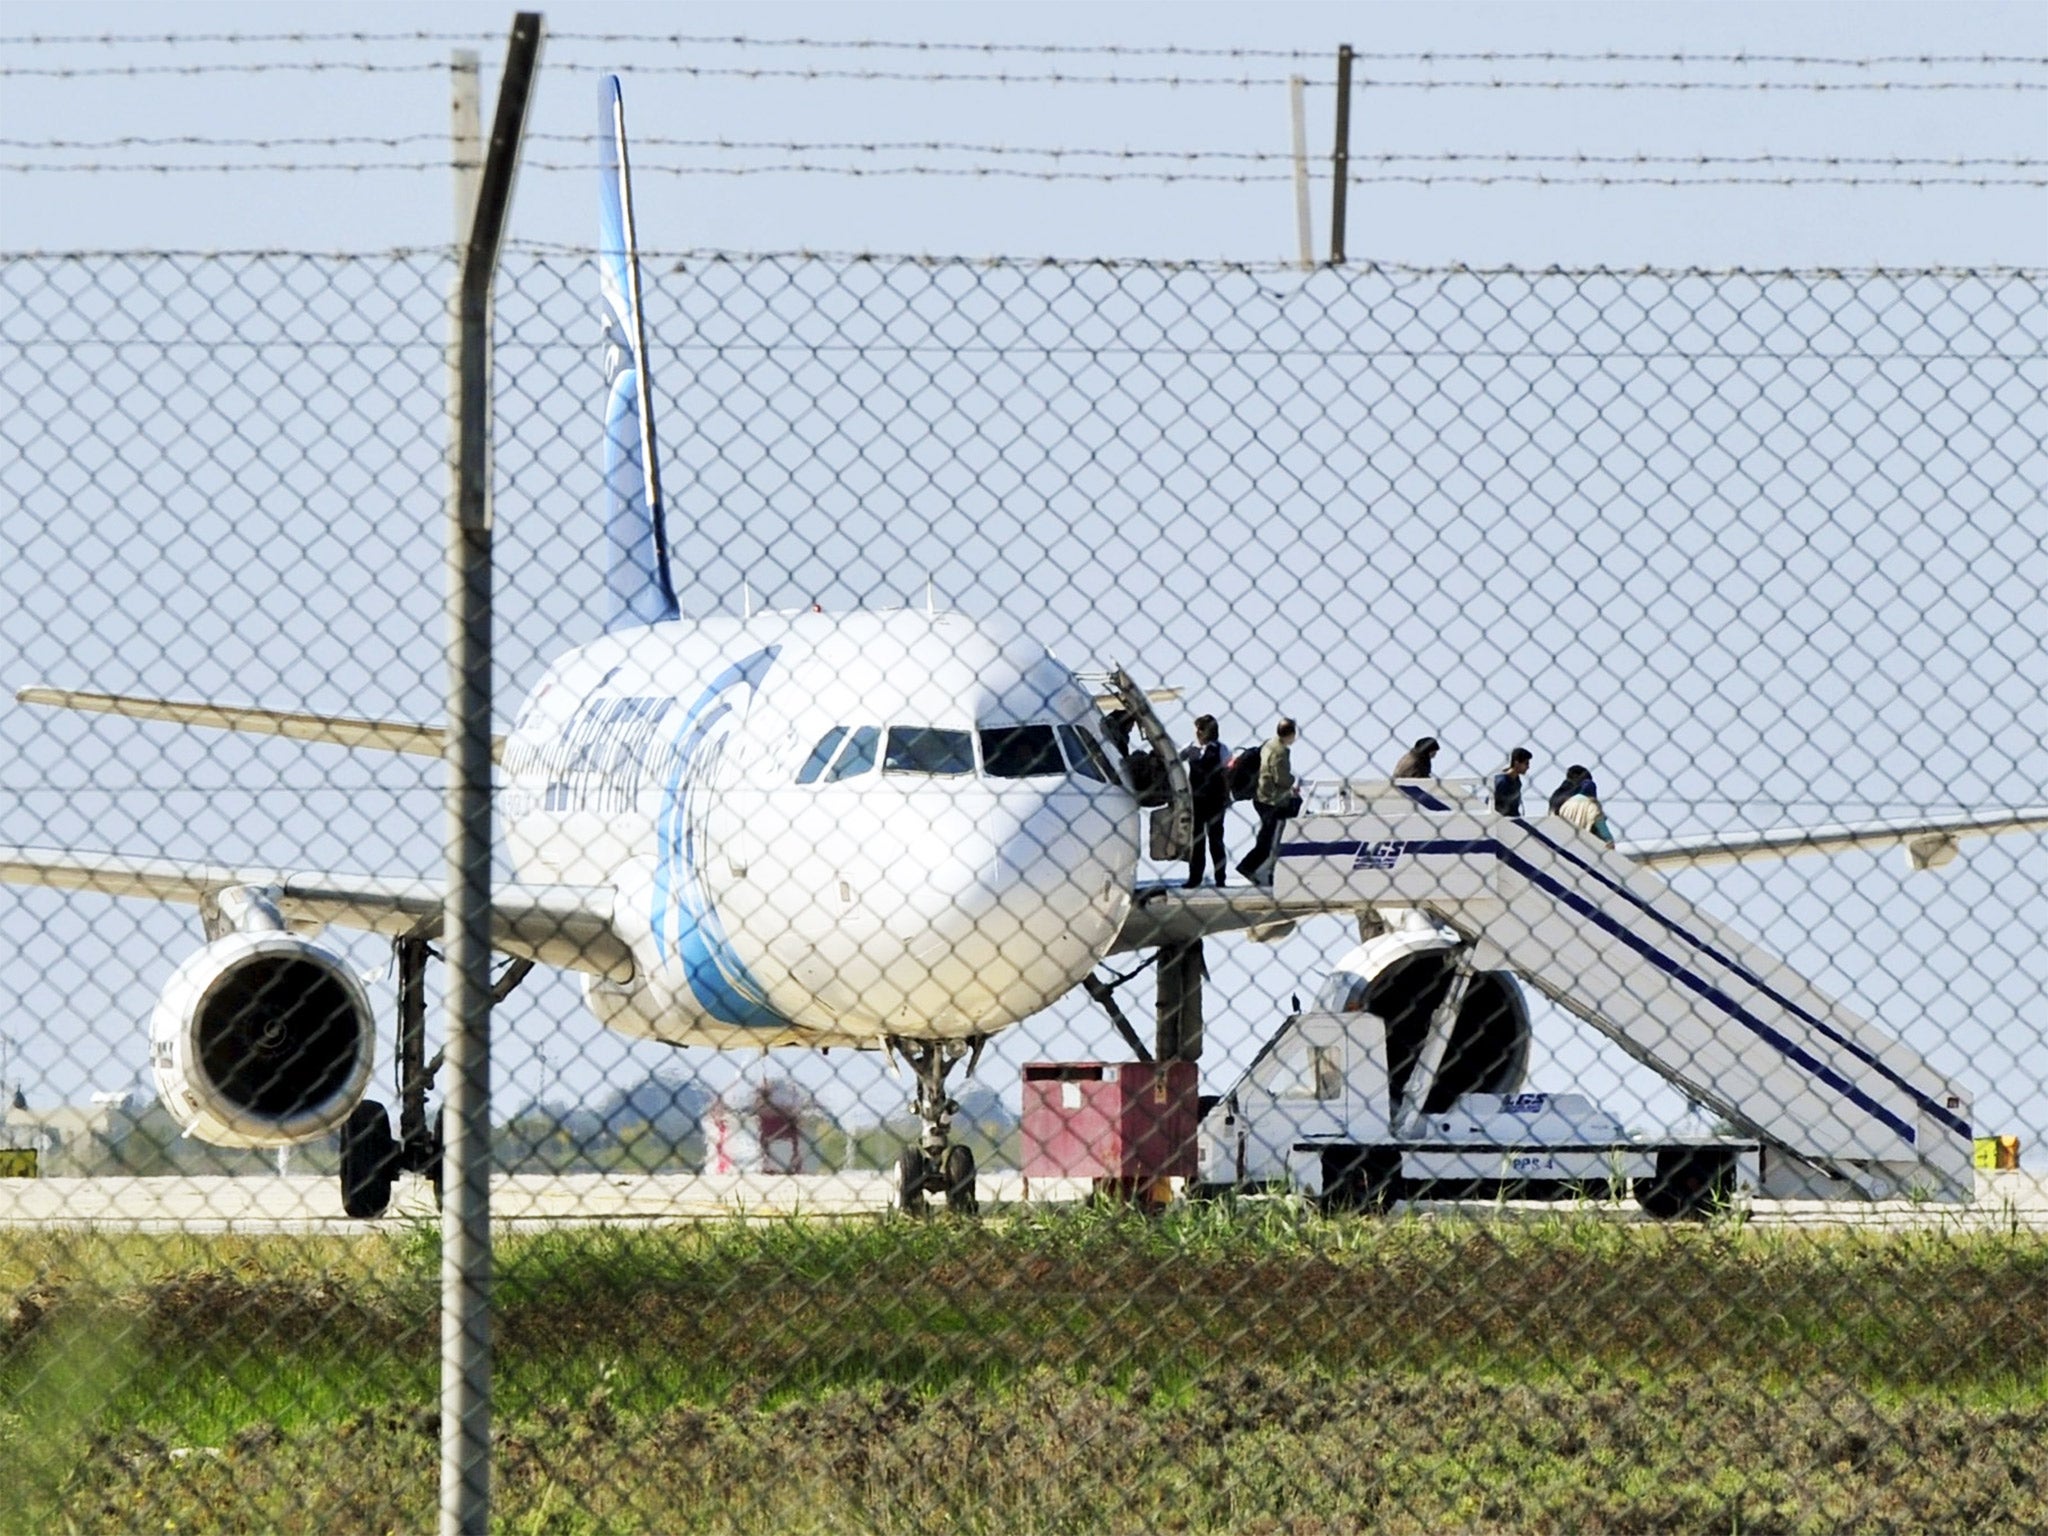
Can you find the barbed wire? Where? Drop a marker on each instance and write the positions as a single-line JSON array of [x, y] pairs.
[[1004, 77], [1018, 173], [1050, 152], [1678, 58], [1277, 266]]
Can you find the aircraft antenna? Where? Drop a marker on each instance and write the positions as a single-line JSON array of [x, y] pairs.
[[930, 609], [746, 599]]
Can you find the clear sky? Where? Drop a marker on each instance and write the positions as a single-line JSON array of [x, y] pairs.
[[1912, 953], [1710, 226]]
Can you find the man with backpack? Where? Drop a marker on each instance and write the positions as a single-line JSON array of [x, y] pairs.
[[1274, 800]]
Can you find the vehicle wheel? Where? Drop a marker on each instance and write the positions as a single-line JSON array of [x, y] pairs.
[[1690, 1182], [1368, 1182], [369, 1160], [961, 1199], [910, 1172]]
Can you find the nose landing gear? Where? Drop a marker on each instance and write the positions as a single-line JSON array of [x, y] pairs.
[[936, 1166]]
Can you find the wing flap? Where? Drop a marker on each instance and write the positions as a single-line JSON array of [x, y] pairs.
[[569, 926], [337, 730]]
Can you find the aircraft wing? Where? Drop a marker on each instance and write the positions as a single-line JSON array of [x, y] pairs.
[[1929, 841], [338, 730], [569, 926]]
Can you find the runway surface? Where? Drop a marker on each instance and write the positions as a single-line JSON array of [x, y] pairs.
[[2006, 1201]]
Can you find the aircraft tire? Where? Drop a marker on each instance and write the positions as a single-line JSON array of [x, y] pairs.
[[910, 1178], [369, 1161], [1689, 1185], [961, 1198]]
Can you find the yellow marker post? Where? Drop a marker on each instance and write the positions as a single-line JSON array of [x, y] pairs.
[[18, 1163], [1997, 1152]]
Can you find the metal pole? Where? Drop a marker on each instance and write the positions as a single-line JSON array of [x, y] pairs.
[[466, 140], [466, 1212], [415, 1141], [1304, 231], [1340, 159], [465, 143], [1178, 1003], [466, 146]]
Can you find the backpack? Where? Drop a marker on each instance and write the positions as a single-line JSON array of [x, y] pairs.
[[1242, 774], [1148, 778]]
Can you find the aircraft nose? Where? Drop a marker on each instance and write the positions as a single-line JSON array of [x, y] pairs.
[[1008, 912]]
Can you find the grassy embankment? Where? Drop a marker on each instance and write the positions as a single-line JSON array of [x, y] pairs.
[[1214, 1371]]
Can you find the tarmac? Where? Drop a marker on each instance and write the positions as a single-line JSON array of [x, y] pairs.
[[2010, 1200]]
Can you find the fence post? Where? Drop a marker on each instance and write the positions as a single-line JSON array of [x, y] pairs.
[[1340, 157], [1304, 236], [466, 1167]]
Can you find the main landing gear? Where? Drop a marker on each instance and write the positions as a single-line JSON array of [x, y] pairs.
[[936, 1166], [371, 1157]]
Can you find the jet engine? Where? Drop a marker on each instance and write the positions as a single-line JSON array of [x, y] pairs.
[[262, 1039], [1402, 975]]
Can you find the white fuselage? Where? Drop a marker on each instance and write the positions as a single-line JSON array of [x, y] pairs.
[[826, 828]]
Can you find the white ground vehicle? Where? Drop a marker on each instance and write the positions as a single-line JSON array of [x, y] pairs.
[[1460, 912], [1318, 1111]]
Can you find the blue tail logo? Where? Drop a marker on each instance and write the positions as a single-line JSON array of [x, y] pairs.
[[636, 542]]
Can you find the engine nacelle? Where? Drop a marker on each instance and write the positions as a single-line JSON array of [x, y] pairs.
[[262, 1039], [1401, 975]]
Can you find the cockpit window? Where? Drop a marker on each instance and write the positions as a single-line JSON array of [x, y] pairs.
[[858, 756], [1020, 752], [821, 754], [927, 749], [1086, 754]]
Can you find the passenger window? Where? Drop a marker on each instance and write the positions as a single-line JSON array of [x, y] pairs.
[[1085, 753], [926, 749], [1020, 752], [821, 754], [858, 756]]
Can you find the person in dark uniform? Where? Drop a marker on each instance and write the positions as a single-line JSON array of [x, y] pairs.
[[1417, 761], [1211, 793], [1507, 784]]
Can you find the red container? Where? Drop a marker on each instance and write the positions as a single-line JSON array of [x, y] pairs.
[[1124, 1120]]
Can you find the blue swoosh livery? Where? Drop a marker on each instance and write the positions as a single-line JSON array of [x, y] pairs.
[[719, 979]]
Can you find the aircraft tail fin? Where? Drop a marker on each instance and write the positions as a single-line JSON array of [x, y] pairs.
[[638, 588]]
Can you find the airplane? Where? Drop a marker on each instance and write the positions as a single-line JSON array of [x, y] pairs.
[[892, 830]]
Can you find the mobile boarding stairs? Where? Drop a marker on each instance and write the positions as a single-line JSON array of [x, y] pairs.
[[1824, 1103]]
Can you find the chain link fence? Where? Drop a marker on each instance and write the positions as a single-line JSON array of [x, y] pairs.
[[1657, 1158]]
